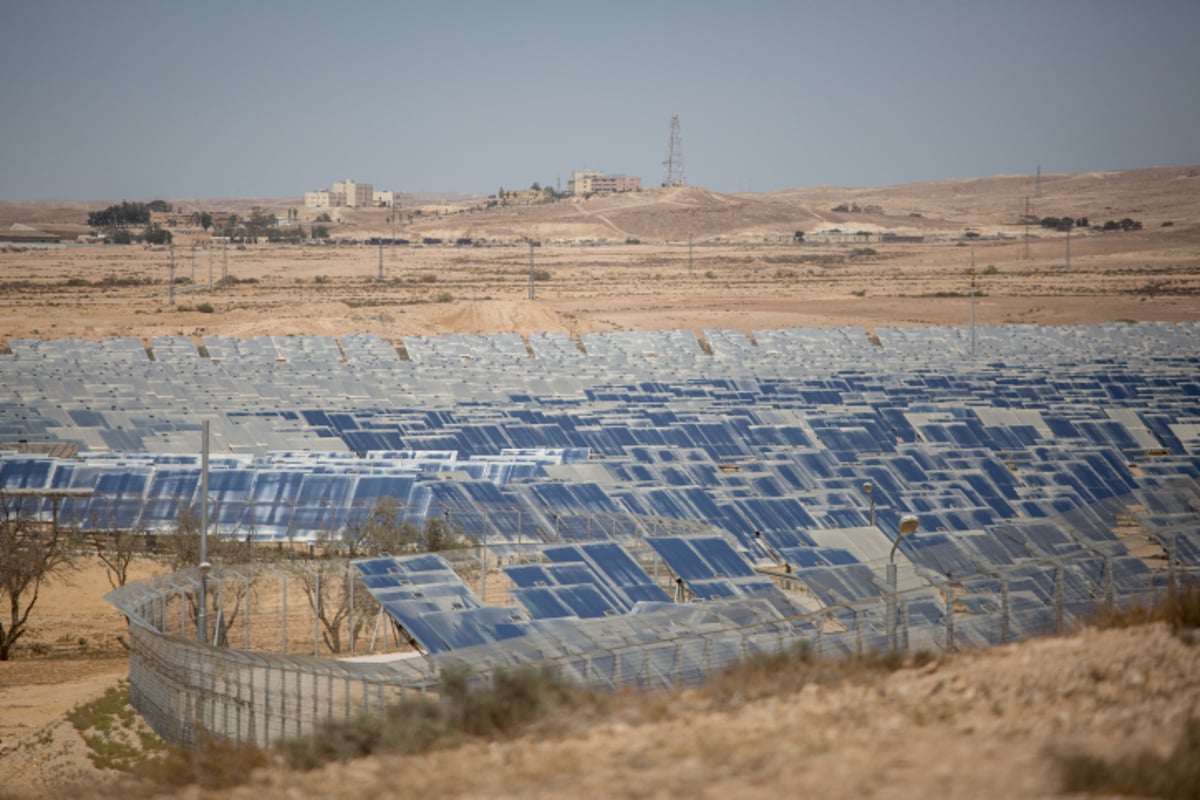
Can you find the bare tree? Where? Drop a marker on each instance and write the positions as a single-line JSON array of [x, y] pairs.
[[183, 551], [31, 553], [117, 550], [381, 530], [328, 584]]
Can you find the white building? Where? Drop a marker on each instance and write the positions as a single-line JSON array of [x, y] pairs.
[[323, 198], [358, 195]]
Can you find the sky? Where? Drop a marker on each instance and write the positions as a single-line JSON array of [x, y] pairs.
[[142, 99]]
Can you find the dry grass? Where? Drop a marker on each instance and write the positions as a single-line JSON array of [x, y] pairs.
[[515, 702], [214, 763], [1178, 607], [1144, 773]]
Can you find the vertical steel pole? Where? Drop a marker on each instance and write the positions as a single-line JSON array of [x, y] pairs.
[[202, 632], [891, 606]]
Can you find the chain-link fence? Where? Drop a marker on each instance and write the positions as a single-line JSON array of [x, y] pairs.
[[264, 651]]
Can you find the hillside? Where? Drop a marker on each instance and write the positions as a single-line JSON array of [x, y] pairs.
[[990, 724], [1155, 195]]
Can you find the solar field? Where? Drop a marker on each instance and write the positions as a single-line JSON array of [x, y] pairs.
[[766, 476]]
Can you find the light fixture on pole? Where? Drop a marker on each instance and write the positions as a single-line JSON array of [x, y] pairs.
[[908, 526], [870, 490]]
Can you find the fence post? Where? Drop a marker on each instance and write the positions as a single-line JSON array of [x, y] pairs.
[[1058, 599], [1109, 589], [1005, 611], [266, 725], [858, 642], [949, 618], [904, 626]]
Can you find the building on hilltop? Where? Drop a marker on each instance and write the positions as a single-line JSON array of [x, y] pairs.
[[358, 195], [323, 198], [351, 194], [587, 181]]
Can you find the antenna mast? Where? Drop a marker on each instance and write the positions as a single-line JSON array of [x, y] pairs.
[[673, 164]]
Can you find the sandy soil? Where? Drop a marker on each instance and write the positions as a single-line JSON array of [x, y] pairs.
[[979, 725]]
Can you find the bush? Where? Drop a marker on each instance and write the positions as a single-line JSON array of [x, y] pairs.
[[204, 308], [1142, 774], [514, 700], [1179, 608], [214, 763]]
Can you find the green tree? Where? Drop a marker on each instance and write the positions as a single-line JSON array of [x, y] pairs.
[[156, 234]]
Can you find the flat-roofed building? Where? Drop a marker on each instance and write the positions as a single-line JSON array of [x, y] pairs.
[[587, 181], [358, 195], [323, 198]]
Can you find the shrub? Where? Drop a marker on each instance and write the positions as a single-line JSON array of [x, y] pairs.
[[1178, 607], [214, 763], [1143, 774], [510, 704], [204, 308]]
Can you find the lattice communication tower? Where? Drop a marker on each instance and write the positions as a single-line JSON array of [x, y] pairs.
[[673, 165]]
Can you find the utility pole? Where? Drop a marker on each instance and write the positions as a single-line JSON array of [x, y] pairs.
[[689, 255], [210, 265], [171, 288], [225, 261], [1068, 247], [972, 303], [532, 292], [193, 266], [381, 260], [202, 619], [1026, 219]]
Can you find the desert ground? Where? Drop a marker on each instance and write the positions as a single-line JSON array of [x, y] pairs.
[[980, 724]]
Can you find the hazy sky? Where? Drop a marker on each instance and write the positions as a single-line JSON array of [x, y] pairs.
[[136, 99]]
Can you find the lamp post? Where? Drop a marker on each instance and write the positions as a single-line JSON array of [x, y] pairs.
[[205, 566], [870, 490], [202, 619], [908, 526]]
